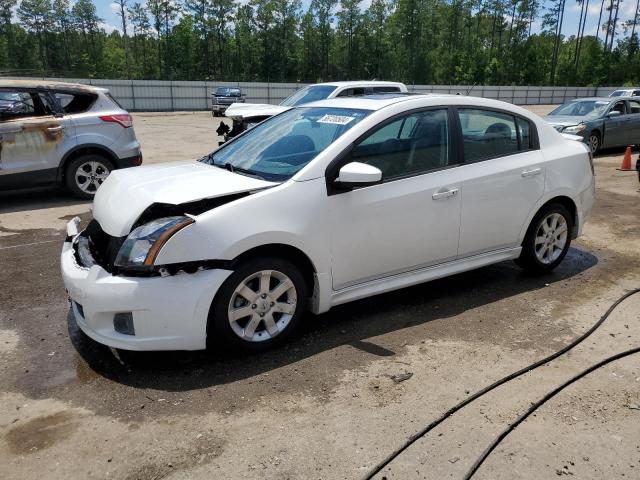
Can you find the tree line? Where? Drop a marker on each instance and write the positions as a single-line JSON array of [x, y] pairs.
[[415, 41]]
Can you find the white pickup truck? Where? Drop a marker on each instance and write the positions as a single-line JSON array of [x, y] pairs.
[[246, 115]]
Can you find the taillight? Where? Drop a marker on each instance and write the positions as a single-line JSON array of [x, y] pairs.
[[124, 120]]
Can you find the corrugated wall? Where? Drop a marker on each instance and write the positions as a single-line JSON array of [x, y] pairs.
[[159, 95]]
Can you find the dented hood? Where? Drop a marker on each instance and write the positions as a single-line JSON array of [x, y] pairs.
[[127, 193], [249, 110]]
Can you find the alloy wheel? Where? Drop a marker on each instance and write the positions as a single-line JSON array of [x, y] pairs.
[[551, 238], [262, 306], [594, 143], [90, 175]]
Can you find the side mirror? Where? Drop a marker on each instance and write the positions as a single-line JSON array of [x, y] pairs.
[[356, 174], [613, 113]]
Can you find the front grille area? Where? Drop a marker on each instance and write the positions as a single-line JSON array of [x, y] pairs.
[[102, 246]]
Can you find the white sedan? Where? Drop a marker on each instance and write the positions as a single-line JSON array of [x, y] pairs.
[[320, 205]]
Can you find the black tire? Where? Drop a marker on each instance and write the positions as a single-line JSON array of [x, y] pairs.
[[528, 258], [215, 113], [220, 333], [104, 164], [595, 142]]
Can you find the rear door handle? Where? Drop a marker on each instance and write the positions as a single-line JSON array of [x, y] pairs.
[[444, 194], [54, 129], [531, 173]]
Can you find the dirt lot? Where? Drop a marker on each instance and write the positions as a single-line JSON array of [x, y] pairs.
[[325, 406]]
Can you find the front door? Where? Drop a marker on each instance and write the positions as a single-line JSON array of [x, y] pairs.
[[615, 128], [411, 219]]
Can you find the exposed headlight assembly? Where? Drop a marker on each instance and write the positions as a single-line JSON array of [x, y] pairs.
[[141, 247], [574, 129]]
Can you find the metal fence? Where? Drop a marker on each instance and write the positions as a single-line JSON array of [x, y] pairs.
[[158, 95]]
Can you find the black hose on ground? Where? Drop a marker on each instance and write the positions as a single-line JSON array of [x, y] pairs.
[[541, 402], [416, 436]]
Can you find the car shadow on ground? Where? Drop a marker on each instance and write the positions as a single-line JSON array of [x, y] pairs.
[[351, 324], [37, 199]]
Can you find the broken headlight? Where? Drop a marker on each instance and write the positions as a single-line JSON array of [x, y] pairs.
[[141, 247]]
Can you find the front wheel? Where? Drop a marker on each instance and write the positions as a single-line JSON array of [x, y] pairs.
[[594, 142], [258, 306], [547, 240]]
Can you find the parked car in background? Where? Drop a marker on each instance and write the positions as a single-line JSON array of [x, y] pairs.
[[627, 92], [247, 115], [223, 97], [601, 122], [326, 203], [62, 133]]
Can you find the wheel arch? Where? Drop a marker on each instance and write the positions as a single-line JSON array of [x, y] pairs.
[[84, 149], [284, 251], [563, 200]]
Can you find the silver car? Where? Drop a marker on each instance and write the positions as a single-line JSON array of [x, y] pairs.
[[62, 133], [602, 122]]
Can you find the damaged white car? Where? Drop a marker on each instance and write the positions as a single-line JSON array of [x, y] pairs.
[[321, 205]]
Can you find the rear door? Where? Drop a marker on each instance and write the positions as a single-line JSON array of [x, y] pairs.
[[33, 136], [502, 179], [633, 122]]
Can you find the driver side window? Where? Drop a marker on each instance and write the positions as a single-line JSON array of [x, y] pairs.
[[619, 107], [410, 145]]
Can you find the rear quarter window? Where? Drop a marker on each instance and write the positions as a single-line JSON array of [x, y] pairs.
[[75, 102]]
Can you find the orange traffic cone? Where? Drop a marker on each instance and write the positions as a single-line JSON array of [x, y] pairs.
[[625, 166]]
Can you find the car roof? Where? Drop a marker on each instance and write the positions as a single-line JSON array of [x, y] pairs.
[[366, 102], [49, 84], [378, 102], [360, 83]]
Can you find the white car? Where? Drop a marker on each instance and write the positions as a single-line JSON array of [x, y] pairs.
[[247, 115], [321, 205], [626, 92]]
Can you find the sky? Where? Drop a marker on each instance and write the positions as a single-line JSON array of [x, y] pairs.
[[106, 10]]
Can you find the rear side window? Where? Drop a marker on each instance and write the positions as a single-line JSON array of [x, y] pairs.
[[75, 102], [524, 132], [387, 89], [634, 106], [22, 103], [352, 92], [489, 134]]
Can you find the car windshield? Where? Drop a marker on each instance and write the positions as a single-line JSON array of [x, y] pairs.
[[227, 92], [584, 108], [279, 147], [309, 94], [618, 93]]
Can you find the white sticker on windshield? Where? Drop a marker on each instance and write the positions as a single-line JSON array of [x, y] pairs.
[[335, 119]]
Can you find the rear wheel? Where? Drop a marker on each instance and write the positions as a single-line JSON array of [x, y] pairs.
[[547, 240], [85, 174], [258, 306]]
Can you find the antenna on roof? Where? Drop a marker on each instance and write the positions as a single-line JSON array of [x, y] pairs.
[[472, 87]]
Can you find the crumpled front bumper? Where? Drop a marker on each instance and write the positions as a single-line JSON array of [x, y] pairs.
[[169, 313]]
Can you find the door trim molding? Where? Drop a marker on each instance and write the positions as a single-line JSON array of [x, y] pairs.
[[414, 277]]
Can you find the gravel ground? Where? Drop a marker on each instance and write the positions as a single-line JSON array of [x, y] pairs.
[[325, 405]]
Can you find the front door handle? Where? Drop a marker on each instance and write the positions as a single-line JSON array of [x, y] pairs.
[[444, 194], [531, 173], [54, 129]]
